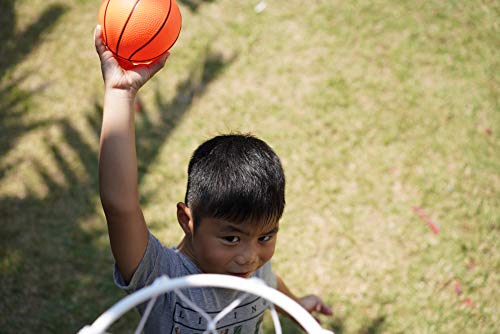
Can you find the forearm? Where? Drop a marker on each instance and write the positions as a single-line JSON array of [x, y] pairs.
[[281, 287], [117, 157], [311, 303]]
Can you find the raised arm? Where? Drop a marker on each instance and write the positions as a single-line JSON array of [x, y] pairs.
[[127, 229]]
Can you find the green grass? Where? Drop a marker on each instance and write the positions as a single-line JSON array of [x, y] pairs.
[[374, 107]]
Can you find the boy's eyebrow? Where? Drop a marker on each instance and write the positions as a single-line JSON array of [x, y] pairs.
[[274, 230], [231, 228]]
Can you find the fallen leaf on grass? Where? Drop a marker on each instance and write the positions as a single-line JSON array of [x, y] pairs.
[[420, 212], [457, 287]]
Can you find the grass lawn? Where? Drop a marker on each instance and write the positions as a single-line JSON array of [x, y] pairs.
[[386, 116]]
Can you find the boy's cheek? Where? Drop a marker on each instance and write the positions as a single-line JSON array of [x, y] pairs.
[[214, 256], [272, 248]]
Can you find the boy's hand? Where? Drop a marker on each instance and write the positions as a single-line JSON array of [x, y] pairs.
[[313, 303], [122, 75]]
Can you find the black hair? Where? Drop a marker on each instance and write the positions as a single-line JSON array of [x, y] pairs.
[[237, 178]]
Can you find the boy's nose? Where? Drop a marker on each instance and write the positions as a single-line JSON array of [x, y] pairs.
[[246, 257]]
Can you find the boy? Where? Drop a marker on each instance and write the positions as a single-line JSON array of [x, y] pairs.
[[230, 218]]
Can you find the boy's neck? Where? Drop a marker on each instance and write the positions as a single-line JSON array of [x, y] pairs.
[[186, 248]]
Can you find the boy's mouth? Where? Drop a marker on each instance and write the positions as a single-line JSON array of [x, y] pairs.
[[242, 275]]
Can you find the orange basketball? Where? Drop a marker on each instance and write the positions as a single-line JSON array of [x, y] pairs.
[[139, 30]]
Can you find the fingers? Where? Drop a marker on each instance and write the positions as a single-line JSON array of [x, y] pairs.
[[323, 309], [147, 71], [153, 67], [314, 304], [101, 48], [99, 45]]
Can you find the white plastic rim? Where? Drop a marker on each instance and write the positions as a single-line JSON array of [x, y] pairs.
[[164, 284]]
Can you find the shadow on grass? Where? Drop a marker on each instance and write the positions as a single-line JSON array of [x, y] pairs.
[[289, 327], [334, 324], [172, 111], [375, 327], [14, 104], [14, 101], [54, 271], [16, 46], [193, 4]]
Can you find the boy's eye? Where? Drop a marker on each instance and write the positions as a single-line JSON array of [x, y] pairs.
[[231, 239], [265, 238]]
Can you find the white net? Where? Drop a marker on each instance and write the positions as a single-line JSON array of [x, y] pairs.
[[164, 284]]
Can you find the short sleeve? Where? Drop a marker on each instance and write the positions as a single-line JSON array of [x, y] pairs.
[[154, 263]]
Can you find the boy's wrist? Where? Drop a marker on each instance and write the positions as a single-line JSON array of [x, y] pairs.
[[119, 93]]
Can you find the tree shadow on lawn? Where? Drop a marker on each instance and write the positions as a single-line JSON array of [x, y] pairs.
[[16, 46], [14, 101], [14, 105], [54, 272], [172, 111]]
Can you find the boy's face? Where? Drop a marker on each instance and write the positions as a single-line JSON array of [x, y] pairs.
[[221, 247]]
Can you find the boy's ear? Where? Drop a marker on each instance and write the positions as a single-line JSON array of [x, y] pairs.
[[185, 219]]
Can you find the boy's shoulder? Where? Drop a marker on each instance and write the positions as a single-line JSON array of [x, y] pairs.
[[157, 260]]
